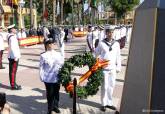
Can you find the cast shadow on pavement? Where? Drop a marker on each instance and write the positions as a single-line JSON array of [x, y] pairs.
[[32, 54], [28, 104], [33, 60], [66, 102], [4, 86], [73, 45], [82, 50], [36, 104]]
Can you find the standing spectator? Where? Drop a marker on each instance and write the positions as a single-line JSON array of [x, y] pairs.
[[50, 63], [60, 41], [109, 49], [55, 33], [90, 39], [69, 36], [21, 33], [31, 31], [101, 34], [1, 47], [66, 34], [129, 32], [13, 56], [39, 31], [45, 32], [96, 33]]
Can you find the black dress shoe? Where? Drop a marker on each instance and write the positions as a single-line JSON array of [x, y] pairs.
[[111, 107], [16, 87], [103, 108], [2, 68], [56, 110]]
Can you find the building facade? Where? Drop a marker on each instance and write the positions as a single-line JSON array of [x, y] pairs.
[[9, 15], [110, 17]]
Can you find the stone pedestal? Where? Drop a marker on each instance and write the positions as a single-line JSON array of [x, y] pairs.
[[144, 88]]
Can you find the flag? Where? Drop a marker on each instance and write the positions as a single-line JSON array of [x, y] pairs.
[[45, 15], [13, 3], [9, 2], [93, 4]]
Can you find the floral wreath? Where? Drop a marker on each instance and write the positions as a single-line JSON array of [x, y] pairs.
[[94, 81]]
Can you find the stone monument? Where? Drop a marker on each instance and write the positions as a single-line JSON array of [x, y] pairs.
[[144, 87]]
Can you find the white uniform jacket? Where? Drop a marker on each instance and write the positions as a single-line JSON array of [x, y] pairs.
[[50, 63], [14, 50], [21, 35], [2, 41], [117, 34], [113, 56]]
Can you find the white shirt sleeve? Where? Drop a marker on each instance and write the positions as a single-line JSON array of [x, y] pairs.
[[98, 50], [41, 70]]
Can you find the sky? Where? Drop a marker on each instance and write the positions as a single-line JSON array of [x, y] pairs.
[[141, 1]]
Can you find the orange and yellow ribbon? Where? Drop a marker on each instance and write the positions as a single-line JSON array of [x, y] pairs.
[[95, 67]]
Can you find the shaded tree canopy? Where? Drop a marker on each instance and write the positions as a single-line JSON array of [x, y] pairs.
[[120, 7]]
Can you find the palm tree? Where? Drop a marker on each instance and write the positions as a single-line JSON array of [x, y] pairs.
[[43, 11], [54, 12], [31, 14], [62, 11]]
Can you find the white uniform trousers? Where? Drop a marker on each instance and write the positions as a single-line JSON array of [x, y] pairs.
[[108, 87]]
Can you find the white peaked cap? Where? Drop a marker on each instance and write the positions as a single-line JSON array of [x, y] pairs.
[[11, 26]]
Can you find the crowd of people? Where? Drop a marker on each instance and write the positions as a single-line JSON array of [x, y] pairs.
[[103, 42]]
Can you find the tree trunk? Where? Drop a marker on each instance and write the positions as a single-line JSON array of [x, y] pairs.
[[54, 12], [93, 15], [78, 14], [62, 12], [124, 18], [31, 14], [115, 19], [43, 20], [72, 15]]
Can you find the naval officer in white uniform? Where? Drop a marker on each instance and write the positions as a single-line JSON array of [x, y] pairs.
[[14, 55], [50, 63], [109, 49]]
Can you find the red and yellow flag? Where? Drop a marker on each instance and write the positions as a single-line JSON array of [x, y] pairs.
[[12, 3], [15, 2]]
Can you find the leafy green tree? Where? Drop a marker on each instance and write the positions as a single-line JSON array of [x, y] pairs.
[[120, 7], [38, 4]]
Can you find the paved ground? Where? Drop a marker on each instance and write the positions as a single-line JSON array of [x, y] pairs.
[[32, 100]]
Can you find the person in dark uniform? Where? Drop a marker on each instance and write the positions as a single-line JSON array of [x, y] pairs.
[[50, 63], [13, 56]]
